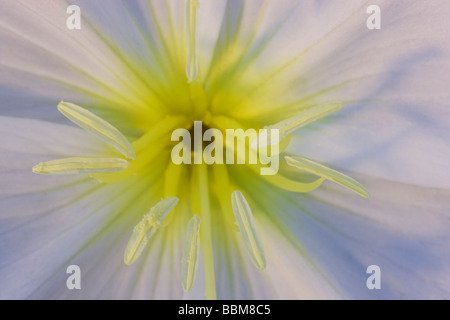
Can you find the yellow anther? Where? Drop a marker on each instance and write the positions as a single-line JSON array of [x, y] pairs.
[[144, 230], [327, 173], [98, 127], [244, 219], [81, 165], [189, 263]]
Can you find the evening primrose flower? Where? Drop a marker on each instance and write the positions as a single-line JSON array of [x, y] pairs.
[[355, 111]]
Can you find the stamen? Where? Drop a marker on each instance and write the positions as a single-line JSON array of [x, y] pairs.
[[266, 138], [191, 19], [287, 126], [98, 127], [292, 185], [244, 219], [81, 165], [189, 263], [144, 230], [327, 173]]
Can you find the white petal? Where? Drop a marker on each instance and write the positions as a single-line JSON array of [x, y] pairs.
[[400, 136], [26, 143], [288, 275], [236, 277], [401, 228], [291, 274], [392, 82], [96, 67], [49, 223], [395, 119], [40, 57]]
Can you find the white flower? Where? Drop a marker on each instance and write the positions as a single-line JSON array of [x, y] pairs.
[[139, 71]]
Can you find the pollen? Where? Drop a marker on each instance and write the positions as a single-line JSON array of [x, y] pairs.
[[145, 229]]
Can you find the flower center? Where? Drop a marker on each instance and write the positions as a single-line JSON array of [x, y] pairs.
[[209, 185]]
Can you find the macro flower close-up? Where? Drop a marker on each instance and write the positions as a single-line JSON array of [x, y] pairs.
[[224, 149]]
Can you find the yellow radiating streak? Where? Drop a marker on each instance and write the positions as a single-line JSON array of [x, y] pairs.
[[222, 188], [192, 60], [201, 203]]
